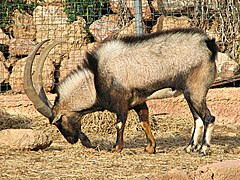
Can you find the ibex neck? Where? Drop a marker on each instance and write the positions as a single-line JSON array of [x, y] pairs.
[[78, 91]]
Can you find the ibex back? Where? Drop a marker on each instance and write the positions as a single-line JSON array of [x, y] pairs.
[[122, 74]]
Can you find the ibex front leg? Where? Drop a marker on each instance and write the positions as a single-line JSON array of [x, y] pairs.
[[121, 120], [143, 113]]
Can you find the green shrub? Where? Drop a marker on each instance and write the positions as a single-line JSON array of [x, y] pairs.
[[90, 10], [7, 8]]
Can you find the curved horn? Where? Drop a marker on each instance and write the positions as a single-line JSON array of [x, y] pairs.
[[37, 76], [40, 101]]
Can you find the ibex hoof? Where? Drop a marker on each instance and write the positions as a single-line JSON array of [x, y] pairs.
[[189, 149], [204, 150], [117, 149], [150, 149]]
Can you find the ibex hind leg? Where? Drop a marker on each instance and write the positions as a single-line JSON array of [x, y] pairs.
[[143, 113], [194, 144], [198, 106]]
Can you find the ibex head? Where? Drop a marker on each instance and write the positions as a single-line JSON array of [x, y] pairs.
[[60, 114]]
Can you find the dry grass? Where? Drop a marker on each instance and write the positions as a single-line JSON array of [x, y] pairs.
[[65, 161]]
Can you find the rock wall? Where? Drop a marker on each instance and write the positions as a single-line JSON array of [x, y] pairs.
[[50, 21]]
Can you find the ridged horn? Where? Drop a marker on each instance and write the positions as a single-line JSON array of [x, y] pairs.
[[35, 92], [37, 76]]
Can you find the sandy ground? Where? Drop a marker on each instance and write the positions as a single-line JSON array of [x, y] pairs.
[[171, 122]]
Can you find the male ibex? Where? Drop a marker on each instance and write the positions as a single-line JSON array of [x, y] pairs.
[[122, 73]]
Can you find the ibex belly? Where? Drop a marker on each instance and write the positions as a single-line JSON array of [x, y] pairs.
[[160, 94]]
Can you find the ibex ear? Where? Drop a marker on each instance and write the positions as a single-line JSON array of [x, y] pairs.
[[58, 117]]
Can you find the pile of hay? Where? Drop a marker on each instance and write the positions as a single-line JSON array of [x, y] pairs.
[[12, 121], [105, 122]]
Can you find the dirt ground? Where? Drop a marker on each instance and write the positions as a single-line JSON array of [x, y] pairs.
[[171, 123]]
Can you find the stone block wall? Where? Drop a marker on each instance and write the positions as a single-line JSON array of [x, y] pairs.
[[49, 20]]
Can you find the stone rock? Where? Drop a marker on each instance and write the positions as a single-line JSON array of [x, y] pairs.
[[229, 169], [170, 22], [129, 6], [24, 139], [4, 38], [52, 22], [108, 26], [226, 67], [187, 5], [114, 5], [131, 29], [173, 174], [176, 174], [176, 5], [104, 27], [146, 11], [157, 5], [16, 77], [23, 26], [20, 47], [2, 58]]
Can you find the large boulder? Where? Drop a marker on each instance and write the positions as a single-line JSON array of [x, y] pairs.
[[131, 28], [184, 5], [24, 139], [108, 26], [229, 169], [226, 67], [104, 27], [170, 22], [173, 174]]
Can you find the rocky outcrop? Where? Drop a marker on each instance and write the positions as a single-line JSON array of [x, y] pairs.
[[24, 139]]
